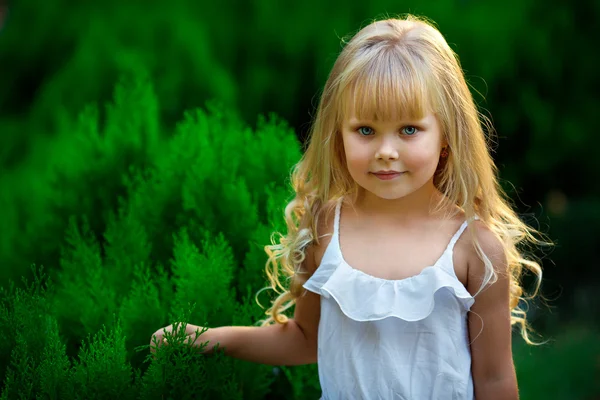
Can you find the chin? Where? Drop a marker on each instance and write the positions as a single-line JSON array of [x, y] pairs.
[[393, 193], [389, 194]]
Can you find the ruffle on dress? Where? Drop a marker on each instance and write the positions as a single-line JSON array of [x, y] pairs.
[[363, 297]]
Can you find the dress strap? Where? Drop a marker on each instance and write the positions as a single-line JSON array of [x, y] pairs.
[[446, 261], [457, 235], [460, 232], [336, 220]]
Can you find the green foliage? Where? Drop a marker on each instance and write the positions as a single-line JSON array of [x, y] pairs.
[[23, 314], [302, 378], [148, 229], [204, 279]]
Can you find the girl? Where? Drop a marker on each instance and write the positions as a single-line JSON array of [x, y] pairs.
[[392, 298]]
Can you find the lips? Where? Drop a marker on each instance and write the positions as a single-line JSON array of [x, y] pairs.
[[387, 175], [388, 172]]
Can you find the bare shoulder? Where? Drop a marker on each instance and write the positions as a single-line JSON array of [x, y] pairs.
[[316, 249], [325, 224], [490, 244], [493, 249]]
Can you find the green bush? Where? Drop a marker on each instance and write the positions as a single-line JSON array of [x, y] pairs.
[[146, 229]]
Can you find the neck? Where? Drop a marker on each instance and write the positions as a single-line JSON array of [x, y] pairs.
[[415, 205]]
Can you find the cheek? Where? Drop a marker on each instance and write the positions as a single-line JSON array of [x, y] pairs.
[[421, 157], [355, 153]]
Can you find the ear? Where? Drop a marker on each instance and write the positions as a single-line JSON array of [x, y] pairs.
[[444, 142]]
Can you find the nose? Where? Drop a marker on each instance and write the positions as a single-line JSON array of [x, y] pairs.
[[387, 150]]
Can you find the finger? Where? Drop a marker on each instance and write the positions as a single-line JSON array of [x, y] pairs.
[[155, 342]]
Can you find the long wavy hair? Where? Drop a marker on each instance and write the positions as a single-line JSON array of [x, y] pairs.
[[394, 69]]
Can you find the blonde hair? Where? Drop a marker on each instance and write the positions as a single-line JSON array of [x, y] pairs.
[[401, 68]]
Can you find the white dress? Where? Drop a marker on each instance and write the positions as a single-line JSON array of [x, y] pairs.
[[392, 339]]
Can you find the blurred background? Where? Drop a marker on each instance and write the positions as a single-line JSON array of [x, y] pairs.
[[532, 67]]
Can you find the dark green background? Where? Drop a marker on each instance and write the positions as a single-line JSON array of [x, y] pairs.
[[532, 66]]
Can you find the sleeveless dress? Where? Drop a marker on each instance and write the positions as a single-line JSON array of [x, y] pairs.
[[392, 339]]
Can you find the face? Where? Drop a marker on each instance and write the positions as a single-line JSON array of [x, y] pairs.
[[411, 149]]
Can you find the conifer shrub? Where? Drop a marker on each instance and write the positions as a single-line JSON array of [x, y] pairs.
[[144, 227]]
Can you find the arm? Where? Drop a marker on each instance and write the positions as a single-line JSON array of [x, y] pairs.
[[493, 369], [292, 343]]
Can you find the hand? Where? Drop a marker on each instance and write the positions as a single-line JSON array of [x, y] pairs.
[[160, 337]]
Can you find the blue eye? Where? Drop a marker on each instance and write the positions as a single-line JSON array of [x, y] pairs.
[[360, 130], [409, 130]]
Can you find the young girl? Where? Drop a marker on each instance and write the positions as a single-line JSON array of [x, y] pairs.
[[401, 247]]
